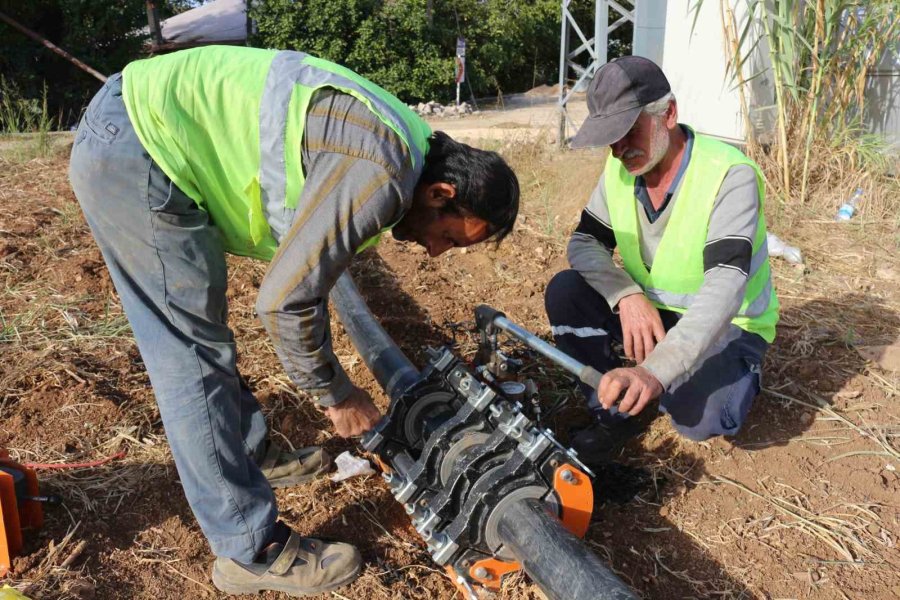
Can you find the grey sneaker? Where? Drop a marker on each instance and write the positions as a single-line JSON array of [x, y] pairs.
[[284, 469], [300, 567]]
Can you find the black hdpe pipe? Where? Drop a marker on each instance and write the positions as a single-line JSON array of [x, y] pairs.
[[560, 563], [392, 370], [554, 558]]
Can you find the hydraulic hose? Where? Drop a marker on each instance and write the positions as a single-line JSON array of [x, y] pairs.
[[561, 564]]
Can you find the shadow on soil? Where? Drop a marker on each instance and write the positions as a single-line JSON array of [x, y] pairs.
[[812, 361], [629, 529]]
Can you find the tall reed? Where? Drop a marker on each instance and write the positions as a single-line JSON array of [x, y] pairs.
[[819, 54]]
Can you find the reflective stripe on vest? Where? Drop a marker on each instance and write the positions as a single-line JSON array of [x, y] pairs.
[[756, 308], [285, 71], [288, 69]]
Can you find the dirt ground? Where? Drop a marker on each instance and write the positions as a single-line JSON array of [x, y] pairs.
[[803, 503]]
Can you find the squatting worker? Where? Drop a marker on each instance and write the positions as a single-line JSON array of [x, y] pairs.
[[286, 158], [694, 305]]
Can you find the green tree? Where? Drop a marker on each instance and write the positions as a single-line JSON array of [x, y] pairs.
[[511, 44], [397, 49], [324, 28]]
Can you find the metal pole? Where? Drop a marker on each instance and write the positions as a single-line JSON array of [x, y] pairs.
[[585, 373], [153, 24], [249, 23], [601, 33], [563, 66]]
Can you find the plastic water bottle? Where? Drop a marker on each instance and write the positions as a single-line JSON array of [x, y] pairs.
[[777, 247], [848, 208]]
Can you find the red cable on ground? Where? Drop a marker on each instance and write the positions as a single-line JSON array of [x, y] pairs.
[[84, 465]]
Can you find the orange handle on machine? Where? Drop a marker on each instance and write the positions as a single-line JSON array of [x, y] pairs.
[[23, 510], [16, 516]]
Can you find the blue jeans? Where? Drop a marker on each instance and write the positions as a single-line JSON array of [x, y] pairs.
[[167, 263], [713, 400]]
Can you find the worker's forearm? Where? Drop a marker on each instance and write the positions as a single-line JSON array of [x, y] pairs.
[[345, 201], [306, 353]]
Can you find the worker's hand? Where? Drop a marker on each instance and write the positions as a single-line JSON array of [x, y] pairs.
[[642, 327], [355, 415], [636, 386]]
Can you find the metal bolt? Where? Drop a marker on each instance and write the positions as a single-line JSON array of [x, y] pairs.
[[568, 476], [482, 573], [554, 463], [423, 502], [409, 508]]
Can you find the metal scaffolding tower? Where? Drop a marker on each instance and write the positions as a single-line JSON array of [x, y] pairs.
[[590, 55]]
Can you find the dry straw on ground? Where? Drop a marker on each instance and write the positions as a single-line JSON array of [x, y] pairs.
[[801, 503]]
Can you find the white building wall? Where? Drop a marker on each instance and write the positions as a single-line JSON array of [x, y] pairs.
[[650, 29], [695, 59], [882, 108]]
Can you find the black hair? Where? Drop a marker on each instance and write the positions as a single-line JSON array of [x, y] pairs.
[[485, 185]]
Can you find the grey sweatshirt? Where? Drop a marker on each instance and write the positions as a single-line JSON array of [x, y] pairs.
[[729, 247], [358, 180]]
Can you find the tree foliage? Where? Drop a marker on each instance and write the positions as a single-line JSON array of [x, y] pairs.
[[104, 34], [511, 45]]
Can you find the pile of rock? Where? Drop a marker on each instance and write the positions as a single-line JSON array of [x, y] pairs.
[[436, 109]]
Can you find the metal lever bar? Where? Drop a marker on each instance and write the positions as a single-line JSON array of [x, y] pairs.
[[585, 373]]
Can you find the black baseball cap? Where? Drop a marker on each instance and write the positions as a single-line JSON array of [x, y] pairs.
[[618, 92]]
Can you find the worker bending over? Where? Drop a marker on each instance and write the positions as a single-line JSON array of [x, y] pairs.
[[290, 159]]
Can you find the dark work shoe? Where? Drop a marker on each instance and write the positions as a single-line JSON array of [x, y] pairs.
[[600, 443]]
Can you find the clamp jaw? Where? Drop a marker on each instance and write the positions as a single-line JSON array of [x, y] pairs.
[[457, 451]]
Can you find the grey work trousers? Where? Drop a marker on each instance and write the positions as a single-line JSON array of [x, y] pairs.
[[167, 262]]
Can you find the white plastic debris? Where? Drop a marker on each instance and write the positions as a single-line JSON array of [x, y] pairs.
[[777, 247], [350, 466]]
